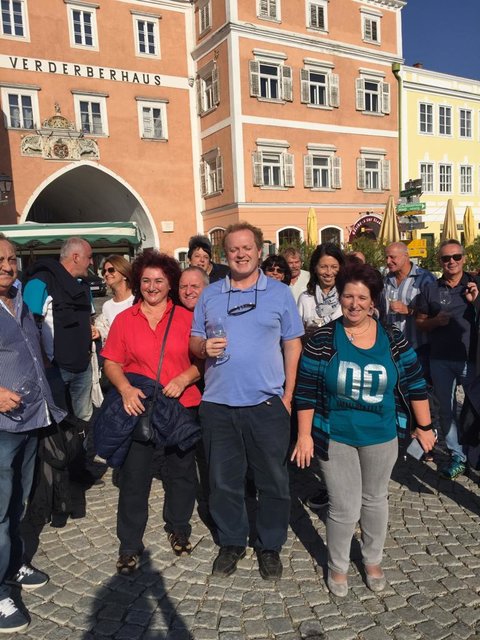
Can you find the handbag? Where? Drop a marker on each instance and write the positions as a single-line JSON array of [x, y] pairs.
[[143, 431]]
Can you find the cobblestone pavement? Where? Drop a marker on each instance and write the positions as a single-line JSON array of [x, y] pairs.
[[432, 562]]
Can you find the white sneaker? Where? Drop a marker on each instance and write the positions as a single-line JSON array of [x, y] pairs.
[[11, 618]]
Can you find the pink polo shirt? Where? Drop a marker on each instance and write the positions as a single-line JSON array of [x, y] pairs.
[[132, 343]]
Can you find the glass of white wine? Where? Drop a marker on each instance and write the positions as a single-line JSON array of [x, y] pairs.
[[25, 389], [218, 331]]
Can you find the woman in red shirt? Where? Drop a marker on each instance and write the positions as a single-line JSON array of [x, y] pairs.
[[133, 346]]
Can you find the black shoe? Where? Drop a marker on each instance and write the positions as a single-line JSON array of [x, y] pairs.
[[181, 545], [226, 561], [127, 564], [318, 501], [269, 564]]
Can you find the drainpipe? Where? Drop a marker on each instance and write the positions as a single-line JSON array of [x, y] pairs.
[[396, 68]]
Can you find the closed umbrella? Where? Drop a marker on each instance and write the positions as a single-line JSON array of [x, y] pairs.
[[389, 231], [450, 223], [469, 227], [312, 232]]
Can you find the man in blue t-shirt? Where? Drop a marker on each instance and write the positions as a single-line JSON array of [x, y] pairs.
[[245, 412], [446, 310]]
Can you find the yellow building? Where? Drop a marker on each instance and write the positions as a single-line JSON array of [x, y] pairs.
[[440, 134]]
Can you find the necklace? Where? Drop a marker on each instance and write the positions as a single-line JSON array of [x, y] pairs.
[[351, 336]]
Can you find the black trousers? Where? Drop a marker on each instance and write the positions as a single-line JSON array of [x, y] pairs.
[[180, 486], [238, 439]]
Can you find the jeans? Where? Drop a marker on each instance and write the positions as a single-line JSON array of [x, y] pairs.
[[357, 482], [17, 463], [179, 477], [79, 387], [446, 375], [255, 438]]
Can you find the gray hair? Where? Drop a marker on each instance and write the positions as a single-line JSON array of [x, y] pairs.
[[199, 270], [446, 243], [72, 245]]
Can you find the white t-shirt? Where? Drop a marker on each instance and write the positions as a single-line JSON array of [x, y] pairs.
[[300, 285], [111, 309]]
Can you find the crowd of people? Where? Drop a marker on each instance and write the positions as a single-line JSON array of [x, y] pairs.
[[240, 369]]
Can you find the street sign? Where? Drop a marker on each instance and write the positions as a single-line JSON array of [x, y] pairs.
[[418, 243], [413, 207], [410, 192], [417, 253]]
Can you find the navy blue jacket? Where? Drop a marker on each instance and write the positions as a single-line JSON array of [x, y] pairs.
[[173, 425]]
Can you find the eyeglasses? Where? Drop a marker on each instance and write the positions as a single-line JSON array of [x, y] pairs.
[[241, 308], [108, 270], [275, 270], [456, 256]]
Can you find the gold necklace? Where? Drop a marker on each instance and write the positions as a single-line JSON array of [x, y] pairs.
[[351, 336]]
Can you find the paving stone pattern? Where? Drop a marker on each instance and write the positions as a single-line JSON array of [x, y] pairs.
[[432, 562]]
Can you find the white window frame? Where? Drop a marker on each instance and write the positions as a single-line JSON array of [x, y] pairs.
[[382, 171], [177, 254], [465, 122], [211, 173], [307, 84], [24, 19], [446, 179], [425, 127], [204, 17], [20, 92], [335, 228], [267, 154], [92, 97], [427, 174], [466, 179], [259, 79], [316, 7], [83, 8], [143, 127], [371, 26], [148, 18], [331, 168], [382, 94], [208, 89], [294, 228], [447, 116], [269, 10]]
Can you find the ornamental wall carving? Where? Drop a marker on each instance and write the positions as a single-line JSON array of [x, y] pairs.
[[59, 140]]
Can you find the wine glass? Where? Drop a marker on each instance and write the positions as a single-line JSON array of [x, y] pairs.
[[445, 297], [25, 389], [218, 331], [393, 295]]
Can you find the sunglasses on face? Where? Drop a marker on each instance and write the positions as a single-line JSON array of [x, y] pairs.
[[456, 256], [108, 270], [275, 270]]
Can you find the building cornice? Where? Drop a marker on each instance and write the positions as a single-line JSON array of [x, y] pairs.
[[292, 39], [387, 4], [437, 75]]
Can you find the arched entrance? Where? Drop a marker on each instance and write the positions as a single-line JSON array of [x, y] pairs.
[[87, 192]]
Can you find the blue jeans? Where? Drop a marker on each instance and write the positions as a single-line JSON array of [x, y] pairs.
[[446, 375], [17, 463], [254, 438], [80, 389]]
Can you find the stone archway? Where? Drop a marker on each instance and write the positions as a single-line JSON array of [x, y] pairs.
[[88, 192]]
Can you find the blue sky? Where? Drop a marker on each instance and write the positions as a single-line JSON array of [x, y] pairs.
[[444, 35]]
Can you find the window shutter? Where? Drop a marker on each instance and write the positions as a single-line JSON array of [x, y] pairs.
[[288, 170], [203, 178], [360, 173], [385, 174], [287, 88], [305, 86], [273, 9], [367, 29], [385, 97], [219, 171], [264, 7], [308, 171], [215, 86], [257, 160], [334, 89], [254, 78], [147, 122], [336, 172], [360, 94], [199, 84]]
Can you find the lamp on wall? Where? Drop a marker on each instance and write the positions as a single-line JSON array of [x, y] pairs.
[[5, 187]]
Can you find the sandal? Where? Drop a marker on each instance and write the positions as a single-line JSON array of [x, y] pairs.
[[126, 563], [181, 545]]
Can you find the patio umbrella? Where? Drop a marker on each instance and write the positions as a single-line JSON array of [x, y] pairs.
[[312, 231], [469, 226], [389, 231], [450, 223]]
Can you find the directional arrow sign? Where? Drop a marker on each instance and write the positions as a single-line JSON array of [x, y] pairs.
[[411, 206]]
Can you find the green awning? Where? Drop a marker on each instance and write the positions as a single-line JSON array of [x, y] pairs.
[[32, 234]]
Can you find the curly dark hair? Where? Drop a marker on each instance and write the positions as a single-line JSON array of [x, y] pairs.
[[281, 263], [151, 258], [324, 249], [364, 273]]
